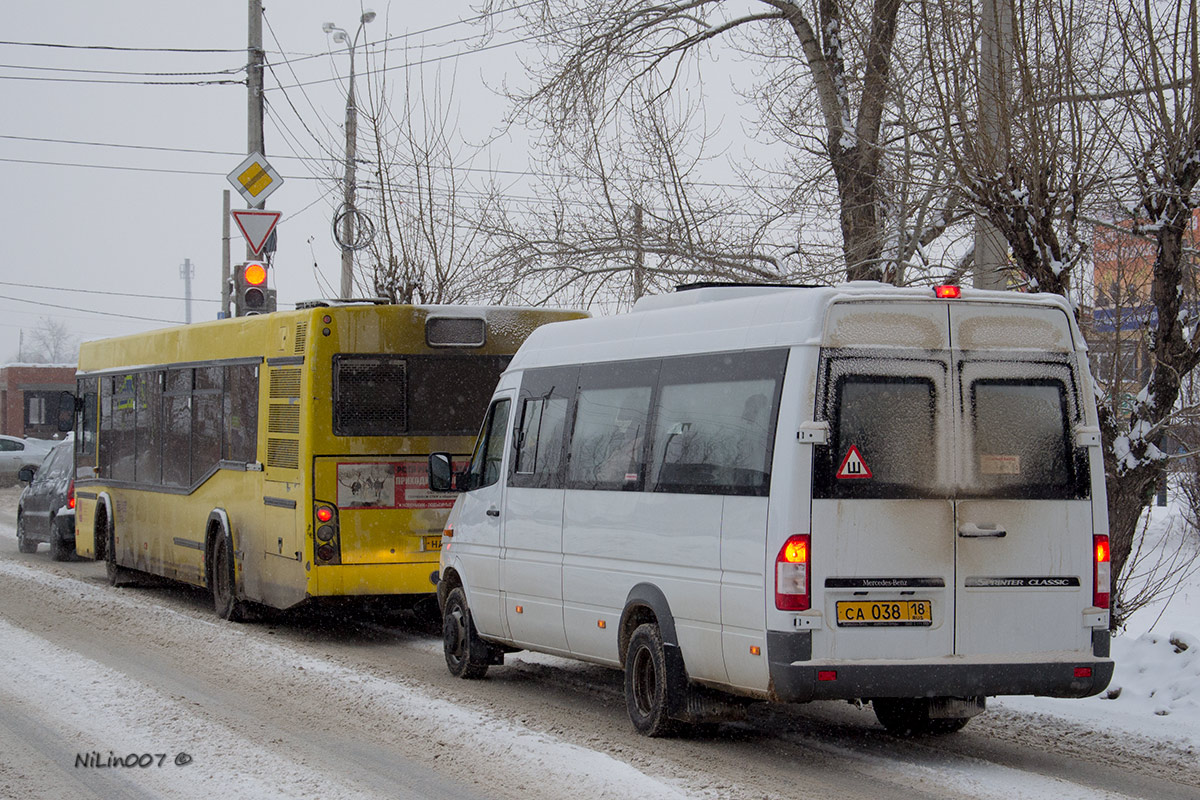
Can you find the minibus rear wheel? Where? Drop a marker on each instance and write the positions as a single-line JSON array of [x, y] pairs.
[[648, 687], [466, 653], [903, 716]]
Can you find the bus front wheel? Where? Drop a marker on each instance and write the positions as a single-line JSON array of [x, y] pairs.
[[225, 602]]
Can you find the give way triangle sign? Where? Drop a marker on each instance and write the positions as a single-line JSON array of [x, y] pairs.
[[256, 225]]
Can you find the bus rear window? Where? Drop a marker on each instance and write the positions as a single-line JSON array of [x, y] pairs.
[[381, 395], [369, 395]]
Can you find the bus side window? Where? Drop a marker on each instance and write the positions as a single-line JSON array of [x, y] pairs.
[[489, 450]]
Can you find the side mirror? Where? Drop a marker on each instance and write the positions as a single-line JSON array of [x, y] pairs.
[[68, 404], [25, 474], [441, 473]]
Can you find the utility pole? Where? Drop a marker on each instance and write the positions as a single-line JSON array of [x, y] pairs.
[[225, 255], [991, 249], [639, 255], [254, 84], [186, 271], [349, 188], [349, 212]]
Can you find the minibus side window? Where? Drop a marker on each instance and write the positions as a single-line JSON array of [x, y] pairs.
[[714, 424], [884, 439], [489, 450], [1022, 446], [542, 421], [611, 426]]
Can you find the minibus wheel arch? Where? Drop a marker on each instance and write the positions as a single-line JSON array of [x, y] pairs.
[[646, 603]]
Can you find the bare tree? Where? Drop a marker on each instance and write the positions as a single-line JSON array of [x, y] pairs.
[[51, 342], [1034, 181], [620, 214], [599, 53], [429, 245], [1155, 126]]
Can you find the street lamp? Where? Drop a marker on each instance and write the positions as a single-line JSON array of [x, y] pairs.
[[348, 211]]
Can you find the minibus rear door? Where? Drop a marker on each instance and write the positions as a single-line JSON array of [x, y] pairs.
[[882, 555], [1024, 517]]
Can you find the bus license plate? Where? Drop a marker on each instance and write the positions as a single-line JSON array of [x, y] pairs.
[[433, 543], [883, 613]]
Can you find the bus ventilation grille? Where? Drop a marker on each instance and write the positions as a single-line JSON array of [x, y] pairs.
[[301, 338], [283, 419], [285, 383], [283, 453]]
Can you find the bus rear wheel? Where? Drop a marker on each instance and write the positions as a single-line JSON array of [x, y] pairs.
[[117, 575], [225, 603], [466, 653], [903, 716]]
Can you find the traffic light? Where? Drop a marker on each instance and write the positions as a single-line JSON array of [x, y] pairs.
[[250, 293]]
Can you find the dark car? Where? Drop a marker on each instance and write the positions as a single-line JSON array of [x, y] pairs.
[[46, 510]]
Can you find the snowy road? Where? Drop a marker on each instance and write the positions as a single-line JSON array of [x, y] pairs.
[[327, 708]]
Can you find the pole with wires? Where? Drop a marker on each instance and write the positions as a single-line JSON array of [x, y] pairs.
[[347, 238]]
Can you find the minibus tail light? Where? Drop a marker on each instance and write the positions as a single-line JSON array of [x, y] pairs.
[[947, 292], [792, 579], [1101, 572]]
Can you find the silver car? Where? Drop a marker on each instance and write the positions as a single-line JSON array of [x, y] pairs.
[[16, 452]]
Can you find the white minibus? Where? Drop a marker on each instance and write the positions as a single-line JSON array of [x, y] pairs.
[[857, 492]]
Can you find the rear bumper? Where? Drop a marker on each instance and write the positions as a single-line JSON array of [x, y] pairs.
[[801, 681]]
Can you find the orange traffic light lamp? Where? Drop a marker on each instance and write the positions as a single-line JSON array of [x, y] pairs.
[[251, 295]]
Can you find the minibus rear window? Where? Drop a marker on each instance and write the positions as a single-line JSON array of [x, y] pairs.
[[884, 441], [1021, 443]]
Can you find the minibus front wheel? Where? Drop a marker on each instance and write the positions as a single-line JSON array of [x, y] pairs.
[[467, 656]]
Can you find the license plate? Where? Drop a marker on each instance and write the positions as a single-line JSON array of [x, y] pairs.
[[432, 543], [884, 613]]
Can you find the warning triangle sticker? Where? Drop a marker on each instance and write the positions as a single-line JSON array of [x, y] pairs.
[[853, 465], [256, 225]]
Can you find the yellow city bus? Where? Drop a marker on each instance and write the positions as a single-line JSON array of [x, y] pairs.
[[283, 457]]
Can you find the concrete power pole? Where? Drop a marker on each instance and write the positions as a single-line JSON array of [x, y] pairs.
[[349, 188], [225, 255], [186, 271], [991, 249]]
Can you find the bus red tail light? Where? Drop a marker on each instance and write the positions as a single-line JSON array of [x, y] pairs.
[[327, 547], [71, 494], [792, 574], [1101, 572]]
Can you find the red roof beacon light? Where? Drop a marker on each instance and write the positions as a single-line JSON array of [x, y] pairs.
[[947, 292]]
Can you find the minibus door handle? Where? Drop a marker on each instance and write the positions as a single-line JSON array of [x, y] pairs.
[[986, 530], [493, 512]]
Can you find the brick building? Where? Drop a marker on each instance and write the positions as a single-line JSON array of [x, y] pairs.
[[29, 398]]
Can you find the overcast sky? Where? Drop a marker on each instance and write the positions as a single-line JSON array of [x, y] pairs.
[[90, 218]]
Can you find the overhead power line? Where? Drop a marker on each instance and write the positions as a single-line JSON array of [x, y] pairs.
[[112, 294], [229, 71], [86, 310], [123, 49], [225, 82]]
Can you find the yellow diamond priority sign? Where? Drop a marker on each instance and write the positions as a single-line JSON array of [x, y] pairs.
[[255, 179]]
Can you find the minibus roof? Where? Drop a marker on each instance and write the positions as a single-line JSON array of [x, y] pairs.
[[720, 318]]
